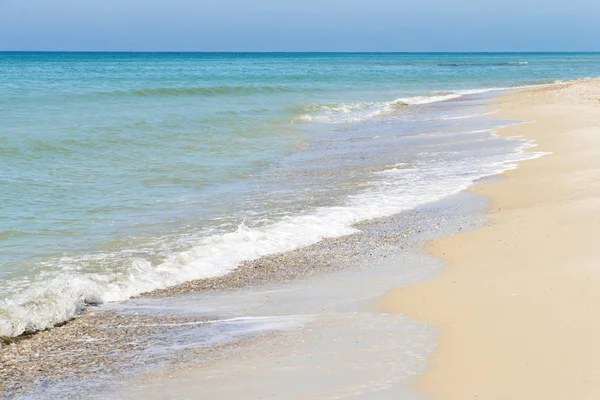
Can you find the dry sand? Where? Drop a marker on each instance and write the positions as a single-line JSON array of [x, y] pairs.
[[517, 305]]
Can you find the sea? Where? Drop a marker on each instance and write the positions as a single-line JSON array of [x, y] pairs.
[[123, 173]]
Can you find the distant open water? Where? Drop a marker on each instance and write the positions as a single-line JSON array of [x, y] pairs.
[[121, 173]]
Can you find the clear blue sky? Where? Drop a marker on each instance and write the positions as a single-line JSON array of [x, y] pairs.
[[300, 25]]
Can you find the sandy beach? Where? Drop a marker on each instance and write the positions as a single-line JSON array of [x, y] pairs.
[[511, 315], [516, 303]]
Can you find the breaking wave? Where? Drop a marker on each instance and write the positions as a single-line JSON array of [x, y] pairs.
[[343, 113], [55, 299]]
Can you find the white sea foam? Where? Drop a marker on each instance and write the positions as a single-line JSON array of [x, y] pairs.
[[438, 97], [470, 116], [418, 100], [56, 299], [337, 113], [342, 113]]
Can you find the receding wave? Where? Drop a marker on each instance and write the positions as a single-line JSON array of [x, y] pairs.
[[502, 64], [199, 91]]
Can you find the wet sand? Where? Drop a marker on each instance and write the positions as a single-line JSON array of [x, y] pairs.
[[517, 303], [346, 348], [165, 336]]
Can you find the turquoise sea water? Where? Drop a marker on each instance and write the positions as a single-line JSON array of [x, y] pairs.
[[126, 172]]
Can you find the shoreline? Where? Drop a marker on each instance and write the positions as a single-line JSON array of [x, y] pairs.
[[514, 304], [239, 276], [78, 350], [362, 350], [295, 265]]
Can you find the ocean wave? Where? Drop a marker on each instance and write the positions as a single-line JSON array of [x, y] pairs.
[[55, 299], [335, 113], [343, 113], [12, 233], [433, 98], [502, 64], [198, 91]]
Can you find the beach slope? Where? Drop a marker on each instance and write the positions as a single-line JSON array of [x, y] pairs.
[[517, 304]]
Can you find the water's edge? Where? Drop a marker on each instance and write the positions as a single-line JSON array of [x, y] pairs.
[[387, 252]]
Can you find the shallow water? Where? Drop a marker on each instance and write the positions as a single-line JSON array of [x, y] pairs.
[[124, 173], [313, 337]]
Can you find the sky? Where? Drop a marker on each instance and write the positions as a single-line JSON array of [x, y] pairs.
[[300, 25]]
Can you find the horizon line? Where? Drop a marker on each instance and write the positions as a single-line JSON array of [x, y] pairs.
[[299, 52]]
